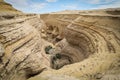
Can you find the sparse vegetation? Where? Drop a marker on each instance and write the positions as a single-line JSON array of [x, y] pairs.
[[47, 49]]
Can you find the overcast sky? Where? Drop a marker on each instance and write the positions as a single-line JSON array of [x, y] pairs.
[[45, 6]]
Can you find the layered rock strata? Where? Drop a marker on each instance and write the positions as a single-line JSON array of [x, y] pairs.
[[21, 47], [7, 11], [21, 53], [87, 45], [55, 28], [92, 43]]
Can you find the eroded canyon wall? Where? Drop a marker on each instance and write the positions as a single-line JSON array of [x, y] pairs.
[[92, 42], [21, 53], [87, 45]]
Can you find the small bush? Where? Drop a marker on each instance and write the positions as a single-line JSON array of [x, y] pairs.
[[47, 49]]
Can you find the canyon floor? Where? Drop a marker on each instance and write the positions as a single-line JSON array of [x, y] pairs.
[[64, 45]]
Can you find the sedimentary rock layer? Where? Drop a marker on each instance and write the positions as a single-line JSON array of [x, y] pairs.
[[7, 9], [55, 28], [21, 54], [21, 47], [87, 45], [92, 43]]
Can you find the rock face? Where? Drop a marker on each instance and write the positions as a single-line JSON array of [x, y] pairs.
[[21, 47], [55, 28], [7, 9], [21, 53], [87, 45], [92, 43], [84, 38]]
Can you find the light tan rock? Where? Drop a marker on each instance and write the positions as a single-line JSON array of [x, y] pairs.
[[92, 43], [87, 45], [6, 7], [21, 53]]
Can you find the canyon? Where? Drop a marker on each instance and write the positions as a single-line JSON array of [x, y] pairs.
[[65, 45]]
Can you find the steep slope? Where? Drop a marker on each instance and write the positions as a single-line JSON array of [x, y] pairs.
[[21, 53], [7, 11], [55, 28], [6, 8], [90, 49], [87, 45]]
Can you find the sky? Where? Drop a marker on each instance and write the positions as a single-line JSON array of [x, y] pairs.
[[46, 6]]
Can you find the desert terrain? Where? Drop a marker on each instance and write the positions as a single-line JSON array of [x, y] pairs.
[[64, 45]]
